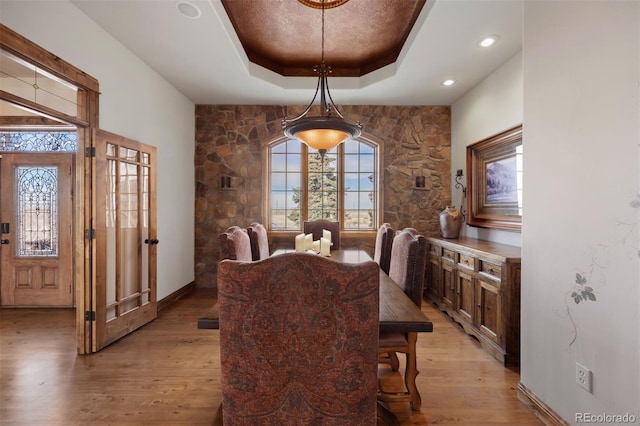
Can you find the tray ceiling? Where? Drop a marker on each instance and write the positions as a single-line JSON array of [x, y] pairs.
[[203, 57], [285, 36]]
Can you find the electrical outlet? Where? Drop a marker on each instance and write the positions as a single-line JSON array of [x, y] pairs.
[[583, 377]]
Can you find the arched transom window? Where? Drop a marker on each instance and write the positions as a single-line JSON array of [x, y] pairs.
[[341, 186]]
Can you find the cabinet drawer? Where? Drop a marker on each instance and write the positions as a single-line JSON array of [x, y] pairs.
[[467, 261], [449, 254], [434, 249], [491, 269]]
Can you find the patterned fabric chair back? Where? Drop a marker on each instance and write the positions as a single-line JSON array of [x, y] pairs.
[[408, 257], [315, 227], [235, 244], [259, 241], [298, 341], [384, 242]]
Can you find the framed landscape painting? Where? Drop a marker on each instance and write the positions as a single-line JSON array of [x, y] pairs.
[[494, 167]]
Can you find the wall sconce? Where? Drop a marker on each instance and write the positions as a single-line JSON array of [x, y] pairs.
[[420, 181], [459, 184], [225, 181]]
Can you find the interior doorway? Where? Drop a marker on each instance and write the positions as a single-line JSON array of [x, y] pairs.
[[41, 89], [113, 261]]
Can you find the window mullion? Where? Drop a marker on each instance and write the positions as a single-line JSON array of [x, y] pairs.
[[340, 189], [304, 212]]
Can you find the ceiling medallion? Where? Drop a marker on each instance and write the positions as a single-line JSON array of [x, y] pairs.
[[328, 4]]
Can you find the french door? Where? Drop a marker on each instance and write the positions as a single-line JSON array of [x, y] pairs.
[[124, 247], [36, 231]]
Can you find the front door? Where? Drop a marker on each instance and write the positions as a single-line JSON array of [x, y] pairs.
[[36, 231], [124, 295]]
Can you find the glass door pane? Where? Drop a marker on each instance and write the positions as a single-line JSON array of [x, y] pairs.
[[37, 211]]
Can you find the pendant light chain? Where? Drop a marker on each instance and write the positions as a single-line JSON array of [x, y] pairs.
[[325, 131], [322, 31], [324, 73]]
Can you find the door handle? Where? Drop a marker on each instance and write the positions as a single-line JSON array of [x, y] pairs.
[[151, 241], [4, 241]]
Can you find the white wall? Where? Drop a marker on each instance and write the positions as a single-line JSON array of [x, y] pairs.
[[135, 102], [491, 107], [575, 88], [581, 172]]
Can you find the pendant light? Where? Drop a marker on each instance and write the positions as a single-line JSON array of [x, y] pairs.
[[326, 131]]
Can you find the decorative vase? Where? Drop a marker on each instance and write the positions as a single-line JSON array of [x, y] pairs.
[[451, 222]]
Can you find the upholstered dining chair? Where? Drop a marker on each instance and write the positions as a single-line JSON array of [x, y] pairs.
[[406, 268], [382, 250], [407, 263], [259, 241], [298, 341], [235, 244], [315, 227]]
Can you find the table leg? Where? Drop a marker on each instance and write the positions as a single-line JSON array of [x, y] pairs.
[[411, 372]]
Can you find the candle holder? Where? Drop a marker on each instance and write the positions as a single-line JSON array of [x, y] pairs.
[[459, 184]]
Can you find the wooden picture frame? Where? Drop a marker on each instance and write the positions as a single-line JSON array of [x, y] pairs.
[[494, 169]]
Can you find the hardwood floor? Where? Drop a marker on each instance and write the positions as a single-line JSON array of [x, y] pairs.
[[168, 373]]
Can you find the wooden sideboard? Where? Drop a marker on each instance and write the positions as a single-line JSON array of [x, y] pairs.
[[477, 283]]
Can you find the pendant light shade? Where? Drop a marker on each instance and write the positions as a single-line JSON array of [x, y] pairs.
[[322, 132], [326, 131], [322, 138]]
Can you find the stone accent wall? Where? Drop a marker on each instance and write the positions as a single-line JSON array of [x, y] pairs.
[[416, 141]]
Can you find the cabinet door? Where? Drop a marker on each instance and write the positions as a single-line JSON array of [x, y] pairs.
[[489, 310], [448, 284], [466, 296], [433, 287]]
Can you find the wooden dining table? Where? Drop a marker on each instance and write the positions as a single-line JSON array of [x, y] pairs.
[[398, 314]]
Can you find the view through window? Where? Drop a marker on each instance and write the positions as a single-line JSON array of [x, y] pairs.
[[341, 186]]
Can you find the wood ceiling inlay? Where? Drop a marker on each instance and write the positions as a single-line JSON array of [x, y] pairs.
[[285, 36]]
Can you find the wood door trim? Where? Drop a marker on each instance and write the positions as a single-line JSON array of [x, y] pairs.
[[84, 275], [45, 111], [18, 45]]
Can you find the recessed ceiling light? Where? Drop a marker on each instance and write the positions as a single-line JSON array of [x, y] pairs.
[[448, 82], [187, 9], [488, 41]]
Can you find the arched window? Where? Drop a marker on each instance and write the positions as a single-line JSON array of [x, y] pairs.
[[343, 186]]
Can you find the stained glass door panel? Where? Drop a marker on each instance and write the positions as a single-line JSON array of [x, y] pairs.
[[36, 238]]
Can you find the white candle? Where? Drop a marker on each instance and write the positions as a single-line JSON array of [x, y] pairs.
[[325, 247], [308, 241], [326, 235], [300, 242], [315, 246]]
